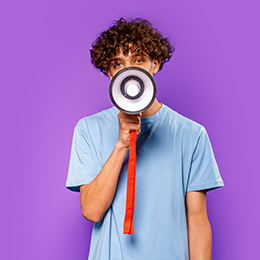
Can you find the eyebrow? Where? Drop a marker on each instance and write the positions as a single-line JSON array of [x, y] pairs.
[[139, 54], [133, 56]]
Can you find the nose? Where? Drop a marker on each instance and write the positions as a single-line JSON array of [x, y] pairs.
[[128, 64]]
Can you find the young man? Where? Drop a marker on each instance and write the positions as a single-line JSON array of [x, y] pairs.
[[175, 163]]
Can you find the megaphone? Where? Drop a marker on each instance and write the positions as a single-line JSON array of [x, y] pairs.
[[132, 90]]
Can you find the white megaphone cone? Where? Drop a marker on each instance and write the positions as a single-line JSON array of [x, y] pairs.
[[132, 90]]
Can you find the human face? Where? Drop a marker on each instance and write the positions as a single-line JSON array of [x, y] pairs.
[[121, 61]]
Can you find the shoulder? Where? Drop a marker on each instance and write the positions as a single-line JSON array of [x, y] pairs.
[[182, 124], [95, 121]]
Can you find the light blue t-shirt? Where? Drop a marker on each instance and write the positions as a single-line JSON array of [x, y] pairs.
[[174, 156]]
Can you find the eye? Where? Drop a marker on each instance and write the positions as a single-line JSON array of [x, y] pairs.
[[139, 61], [117, 65]]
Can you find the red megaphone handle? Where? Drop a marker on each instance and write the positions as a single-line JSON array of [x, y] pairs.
[[130, 197]]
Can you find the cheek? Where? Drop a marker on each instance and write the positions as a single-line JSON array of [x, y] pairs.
[[151, 68], [114, 71]]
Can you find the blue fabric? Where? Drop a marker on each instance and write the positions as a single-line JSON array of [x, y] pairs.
[[174, 156]]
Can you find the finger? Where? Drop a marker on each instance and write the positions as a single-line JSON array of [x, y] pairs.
[[132, 127], [135, 120], [122, 114], [131, 120]]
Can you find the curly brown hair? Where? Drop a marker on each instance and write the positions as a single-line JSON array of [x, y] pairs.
[[142, 36]]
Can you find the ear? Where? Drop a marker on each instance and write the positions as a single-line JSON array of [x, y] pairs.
[[108, 72], [156, 65]]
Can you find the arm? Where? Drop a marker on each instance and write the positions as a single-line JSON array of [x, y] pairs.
[[199, 230], [97, 196]]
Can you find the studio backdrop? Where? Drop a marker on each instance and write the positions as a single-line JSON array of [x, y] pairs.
[[48, 84]]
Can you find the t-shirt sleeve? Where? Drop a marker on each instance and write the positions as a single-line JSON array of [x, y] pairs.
[[82, 168], [204, 172]]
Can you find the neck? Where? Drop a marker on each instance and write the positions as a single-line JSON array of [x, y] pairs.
[[153, 109]]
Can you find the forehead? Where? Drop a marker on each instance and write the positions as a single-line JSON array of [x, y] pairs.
[[132, 53]]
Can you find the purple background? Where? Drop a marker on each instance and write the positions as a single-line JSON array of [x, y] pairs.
[[48, 84]]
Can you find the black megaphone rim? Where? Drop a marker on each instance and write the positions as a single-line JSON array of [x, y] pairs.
[[116, 76]]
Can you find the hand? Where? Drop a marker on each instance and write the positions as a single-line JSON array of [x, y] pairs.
[[127, 123]]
